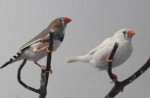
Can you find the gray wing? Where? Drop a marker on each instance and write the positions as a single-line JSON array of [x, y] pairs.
[[36, 38]]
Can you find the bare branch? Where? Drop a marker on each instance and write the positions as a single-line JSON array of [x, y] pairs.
[[21, 82], [111, 58], [137, 73], [45, 73], [119, 85]]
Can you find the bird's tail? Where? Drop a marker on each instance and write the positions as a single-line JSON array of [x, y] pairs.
[[84, 58], [7, 63], [13, 59]]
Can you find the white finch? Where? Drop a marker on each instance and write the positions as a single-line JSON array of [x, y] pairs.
[[98, 57], [37, 48]]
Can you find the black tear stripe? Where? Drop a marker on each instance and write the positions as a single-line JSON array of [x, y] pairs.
[[59, 37]]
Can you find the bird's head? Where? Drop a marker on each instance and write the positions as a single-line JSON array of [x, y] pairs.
[[124, 34], [60, 23]]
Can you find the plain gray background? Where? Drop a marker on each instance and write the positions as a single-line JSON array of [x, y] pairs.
[[92, 22]]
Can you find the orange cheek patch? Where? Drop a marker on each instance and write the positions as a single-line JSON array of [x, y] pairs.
[[56, 24]]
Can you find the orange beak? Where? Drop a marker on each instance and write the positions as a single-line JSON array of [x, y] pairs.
[[131, 33]]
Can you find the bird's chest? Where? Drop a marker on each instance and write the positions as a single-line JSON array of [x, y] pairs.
[[122, 54]]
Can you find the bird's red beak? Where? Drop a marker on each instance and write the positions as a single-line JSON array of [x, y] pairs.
[[131, 33], [67, 20]]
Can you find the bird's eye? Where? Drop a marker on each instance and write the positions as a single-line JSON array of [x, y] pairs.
[[125, 34], [60, 20]]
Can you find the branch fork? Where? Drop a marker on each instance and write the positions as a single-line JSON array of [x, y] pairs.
[[119, 85]]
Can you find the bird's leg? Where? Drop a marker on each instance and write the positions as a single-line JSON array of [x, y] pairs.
[[106, 58], [50, 50], [42, 67], [114, 77], [37, 64], [42, 49]]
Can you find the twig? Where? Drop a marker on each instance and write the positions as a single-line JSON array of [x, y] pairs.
[[110, 63], [119, 85], [21, 82], [44, 72]]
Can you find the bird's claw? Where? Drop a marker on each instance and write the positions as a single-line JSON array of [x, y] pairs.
[[43, 67], [47, 71], [50, 71], [48, 50], [114, 78], [106, 58]]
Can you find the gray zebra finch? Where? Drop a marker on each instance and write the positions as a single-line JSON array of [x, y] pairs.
[[37, 47]]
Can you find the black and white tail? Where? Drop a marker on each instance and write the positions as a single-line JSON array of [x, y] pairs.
[[13, 59]]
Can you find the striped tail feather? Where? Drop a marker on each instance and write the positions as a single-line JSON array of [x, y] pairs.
[[13, 59], [7, 63]]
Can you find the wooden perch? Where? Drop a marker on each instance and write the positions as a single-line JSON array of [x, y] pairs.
[[44, 72], [119, 85]]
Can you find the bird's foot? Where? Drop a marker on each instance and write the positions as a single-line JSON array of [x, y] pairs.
[[47, 71], [114, 78], [106, 58], [43, 67], [50, 71], [47, 49]]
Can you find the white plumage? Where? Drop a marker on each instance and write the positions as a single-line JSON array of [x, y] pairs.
[[98, 56]]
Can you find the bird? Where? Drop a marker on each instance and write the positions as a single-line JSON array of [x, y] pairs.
[[98, 57], [37, 48]]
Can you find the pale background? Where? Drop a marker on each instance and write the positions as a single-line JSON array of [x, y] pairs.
[[92, 22]]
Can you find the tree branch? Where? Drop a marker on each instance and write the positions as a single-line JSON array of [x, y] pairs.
[[21, 82], [119, 85], [44, 72], [110, 63]]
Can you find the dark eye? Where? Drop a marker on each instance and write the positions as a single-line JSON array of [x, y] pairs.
[[124, 32], [60, 20]]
